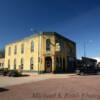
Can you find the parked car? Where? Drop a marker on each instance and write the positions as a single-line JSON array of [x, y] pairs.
[[87, 70], [87, 66], [14, 73], [1, 71], [5, 71]]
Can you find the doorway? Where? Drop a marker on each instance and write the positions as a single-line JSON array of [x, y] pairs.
[[48, 64]]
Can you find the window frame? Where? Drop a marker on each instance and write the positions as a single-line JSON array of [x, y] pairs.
[[22, 48], [48, 45], [9, 51], [32, 46], [15, 50], [8, 63], [14, 63], [31, 63]]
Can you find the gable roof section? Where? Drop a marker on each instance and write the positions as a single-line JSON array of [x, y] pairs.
[[43, 33]]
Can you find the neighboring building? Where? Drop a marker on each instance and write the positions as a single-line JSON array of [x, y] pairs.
[[1, 63], [42, 52], [97, 58], [89, 61], [98, 61]]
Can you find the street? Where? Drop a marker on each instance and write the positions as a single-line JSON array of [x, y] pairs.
[[70, 88]]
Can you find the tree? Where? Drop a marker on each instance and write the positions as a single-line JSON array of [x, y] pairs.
[[2, 53]]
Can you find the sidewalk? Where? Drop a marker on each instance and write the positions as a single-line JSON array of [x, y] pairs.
[[9, 81]]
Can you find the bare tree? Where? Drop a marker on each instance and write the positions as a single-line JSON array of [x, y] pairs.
[[2, 53]]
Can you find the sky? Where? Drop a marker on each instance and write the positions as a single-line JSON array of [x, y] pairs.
[[78, 20]]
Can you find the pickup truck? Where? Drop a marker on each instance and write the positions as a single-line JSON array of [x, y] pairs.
[[91, 70]]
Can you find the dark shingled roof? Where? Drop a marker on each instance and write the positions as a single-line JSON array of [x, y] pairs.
[[45, 33]]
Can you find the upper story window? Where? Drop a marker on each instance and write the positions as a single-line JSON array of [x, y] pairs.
[[15, 51], [22, 48], [31, 63], [61, 46], [9, 51], [32, 46], [48, 45]]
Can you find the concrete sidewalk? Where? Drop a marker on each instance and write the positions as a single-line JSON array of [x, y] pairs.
[[10, 81]]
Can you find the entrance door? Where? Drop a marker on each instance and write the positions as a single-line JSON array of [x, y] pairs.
[[48, 64], [64, 69]]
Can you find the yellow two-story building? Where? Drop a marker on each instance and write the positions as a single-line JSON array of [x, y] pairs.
[[41, 52]]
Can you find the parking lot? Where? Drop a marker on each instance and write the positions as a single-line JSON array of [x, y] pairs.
[[9, 81], [53, 87]]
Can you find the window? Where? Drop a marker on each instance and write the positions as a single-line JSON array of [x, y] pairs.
[[9, 64], [22, 63], [22, 48], [31, 63], [15, 51], [9, 51], [64, 69], [61, 46], [14, 63], [57, 62], [60, 62], [48, 45], [32, 46]]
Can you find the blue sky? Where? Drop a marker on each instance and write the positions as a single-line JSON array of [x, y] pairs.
[[78, 20]]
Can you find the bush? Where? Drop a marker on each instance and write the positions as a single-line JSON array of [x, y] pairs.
[[1, 71], [5, 71], [14, 73]]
